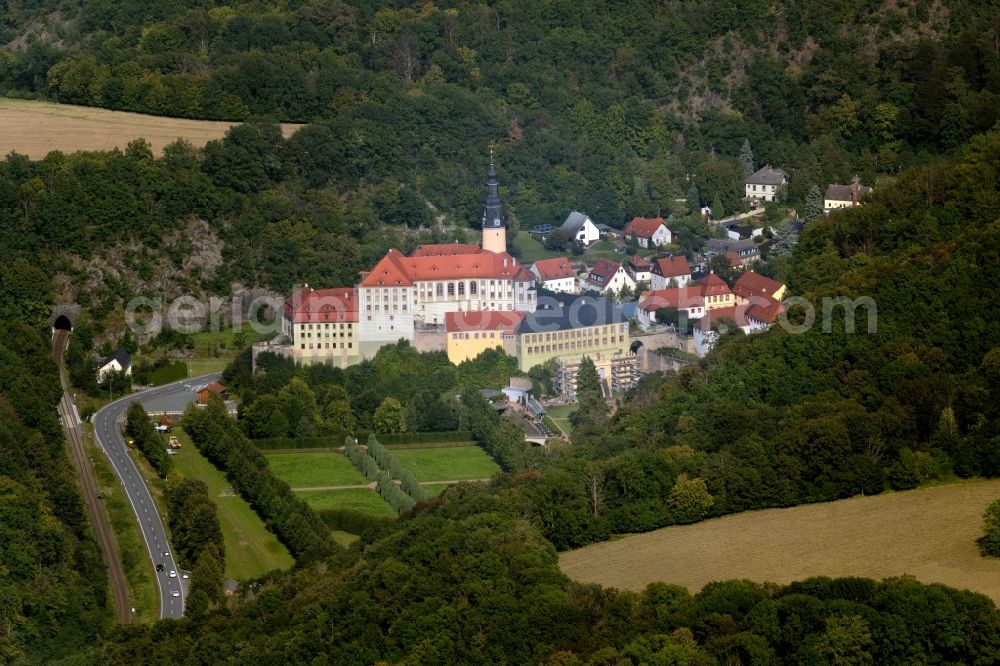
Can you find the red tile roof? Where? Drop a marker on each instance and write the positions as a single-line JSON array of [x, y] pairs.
[[669, 267], [713, 285], [639, 263], [555, 268], [214, 387], [734, 313], [396, 269], [323, 305], [764, 309], [754, 284], [444, 249], [682, 298], [604, 268], [483, 320], [644, 227]]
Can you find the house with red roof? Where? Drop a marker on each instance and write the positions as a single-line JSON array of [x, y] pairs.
[[607, 277], [471, 333], [665, 269], [751, 285], [688, 301], [556, 274], [322, 325], [648, 231], [750, 317], [716, 292], [639, 268]]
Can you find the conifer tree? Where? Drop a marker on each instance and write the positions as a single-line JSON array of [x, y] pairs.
[[814, 204], [746, 159]]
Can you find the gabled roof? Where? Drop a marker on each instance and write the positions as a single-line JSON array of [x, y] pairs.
[[483, 320], [639, 263], [767, 176], [397, 270], [644, 227], [445, 249], [764, 309], [123, 357], [604, 269], [554, 269], [720, 245], [753, 284], [853, 192], [672, 266], [713, 285], [682, 298], [323, 305], [214, 387], [577, 312], [574, 222]]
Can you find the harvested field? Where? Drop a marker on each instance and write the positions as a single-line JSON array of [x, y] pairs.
[[35, 128], [928, 533]]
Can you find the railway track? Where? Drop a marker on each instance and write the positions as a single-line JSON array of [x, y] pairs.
[[88, 487]]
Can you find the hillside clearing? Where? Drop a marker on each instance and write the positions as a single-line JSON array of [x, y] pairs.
[[928, 533], [36, 128]]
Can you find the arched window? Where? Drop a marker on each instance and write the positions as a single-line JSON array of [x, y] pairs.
[[473, 287], [440, 289], [461, 289], [451, 288]]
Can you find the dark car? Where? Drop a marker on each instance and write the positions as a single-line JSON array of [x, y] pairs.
[[159, 567]]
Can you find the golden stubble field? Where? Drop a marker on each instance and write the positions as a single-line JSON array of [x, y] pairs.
[[926, 533], [36, 128]]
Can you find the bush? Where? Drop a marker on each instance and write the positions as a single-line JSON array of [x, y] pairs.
[[147, 440], [368, 527], [989, 543]]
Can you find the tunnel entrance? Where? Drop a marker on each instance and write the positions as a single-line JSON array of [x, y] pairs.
[[62, 323]]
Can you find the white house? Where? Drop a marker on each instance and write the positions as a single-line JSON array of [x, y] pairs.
[[648, 232], [764, 184], [120, 361], [670, 268], [688, 301], [581, 228], [640, 269], [608, 276], [556, 274]]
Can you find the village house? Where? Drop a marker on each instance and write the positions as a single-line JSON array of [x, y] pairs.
[[746, 251], [639, 269], [672, 271], [579, 227], [556, 274], [205, 392], [844, 196], [716, 292], [765, 183], [749, 317], [607, 277], [648, 232], [119, 362], [471, 333], [688, 301], [752, 285]]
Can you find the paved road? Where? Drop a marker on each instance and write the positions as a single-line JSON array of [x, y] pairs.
[[107, 427]]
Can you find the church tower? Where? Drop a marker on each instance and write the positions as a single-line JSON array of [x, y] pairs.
[[494, 222]]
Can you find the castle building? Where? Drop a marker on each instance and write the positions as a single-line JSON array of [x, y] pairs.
[[322, 326]]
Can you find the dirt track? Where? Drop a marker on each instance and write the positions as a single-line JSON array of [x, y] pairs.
[[928, 533], [88, 488]]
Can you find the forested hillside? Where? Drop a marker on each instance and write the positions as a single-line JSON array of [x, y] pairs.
[[53, 587]]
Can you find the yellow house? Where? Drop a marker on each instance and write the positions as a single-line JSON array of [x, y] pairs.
[[716, 292], [582, 326], [323, 326], [751, 285], [472, 332]]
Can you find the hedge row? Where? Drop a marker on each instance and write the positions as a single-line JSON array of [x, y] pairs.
[[360, 459], [324, 442], [392, 493], [425, 437], [147, 440], [294, 522], [387, 461]]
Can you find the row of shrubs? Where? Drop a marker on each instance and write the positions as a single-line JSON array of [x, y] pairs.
[[333, 441], [147, 440], [379, 465], [387, 461], [294, 522]]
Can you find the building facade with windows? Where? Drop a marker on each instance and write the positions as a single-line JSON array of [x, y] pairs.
[[322, 326], [469, 334], [583, 326]]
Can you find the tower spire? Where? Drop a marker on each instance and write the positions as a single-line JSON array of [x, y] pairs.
[[494, 221]]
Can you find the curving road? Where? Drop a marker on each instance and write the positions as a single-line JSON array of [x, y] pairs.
[[108, 424]]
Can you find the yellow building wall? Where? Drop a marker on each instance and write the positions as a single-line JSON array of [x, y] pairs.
[[337, 345], [724, 301], [464, 345], [537, 348]]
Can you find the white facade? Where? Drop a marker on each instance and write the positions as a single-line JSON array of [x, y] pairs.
[[385, 314], [582, 228], [112, 366], [657, 281], [614, 284], [761, 192], [435, 298], [566, 285], [661, 236]]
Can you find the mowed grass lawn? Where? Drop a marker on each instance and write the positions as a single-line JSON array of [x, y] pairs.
[[314, 469], [251, 550], [363, 500], [447, 464], [928, 533], [531, 249]]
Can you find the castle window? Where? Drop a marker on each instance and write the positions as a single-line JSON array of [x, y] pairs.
[[440, 289], [473, 288], [461, 289], [451, 288]]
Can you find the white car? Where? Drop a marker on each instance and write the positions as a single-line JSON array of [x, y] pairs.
[[184, 575], [166, 553], [175, 594], [172, 574]]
